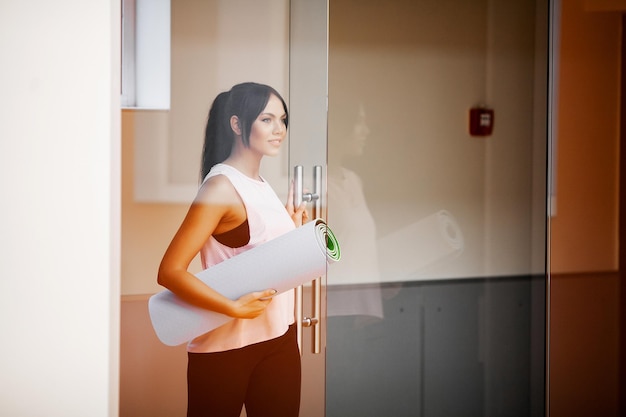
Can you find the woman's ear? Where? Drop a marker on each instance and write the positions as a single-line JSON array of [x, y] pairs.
[[234, 124]]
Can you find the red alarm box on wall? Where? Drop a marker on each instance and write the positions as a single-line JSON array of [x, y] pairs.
[[481, 121]]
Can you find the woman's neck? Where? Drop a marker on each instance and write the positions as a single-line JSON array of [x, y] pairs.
[[245, 164]]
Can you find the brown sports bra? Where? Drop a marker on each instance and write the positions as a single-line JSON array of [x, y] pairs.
[[235, 238]]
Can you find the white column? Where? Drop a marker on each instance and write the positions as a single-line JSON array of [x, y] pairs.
[[59, 215]]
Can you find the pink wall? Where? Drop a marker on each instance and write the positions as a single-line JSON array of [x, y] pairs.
[[584, 345], [584, 230], [584, 298], [152, 375], [147, 228]]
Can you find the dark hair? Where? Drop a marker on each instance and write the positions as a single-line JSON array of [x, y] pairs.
[[246, 101]]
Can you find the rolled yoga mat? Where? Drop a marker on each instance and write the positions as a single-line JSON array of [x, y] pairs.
[[283, 263]]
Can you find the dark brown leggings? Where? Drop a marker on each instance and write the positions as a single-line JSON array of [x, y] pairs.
[[264, 376]]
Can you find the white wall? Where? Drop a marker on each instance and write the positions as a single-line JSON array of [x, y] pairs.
[[59, 176]]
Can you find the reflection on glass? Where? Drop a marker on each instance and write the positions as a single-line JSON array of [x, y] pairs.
[[354, 293], [435, 238], [353, 223], [434, 309]]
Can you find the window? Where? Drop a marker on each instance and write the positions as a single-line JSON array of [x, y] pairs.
[[146, 54]]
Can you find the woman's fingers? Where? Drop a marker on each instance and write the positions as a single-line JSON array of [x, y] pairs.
[[290, 199], [265, 295], [300, 216], [252, 305]]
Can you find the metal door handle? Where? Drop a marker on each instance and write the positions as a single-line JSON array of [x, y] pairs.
[[309, 321], [298, 192], [298, 197], [317, 282]]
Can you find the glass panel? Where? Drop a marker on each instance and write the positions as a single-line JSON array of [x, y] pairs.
[[437, 307]]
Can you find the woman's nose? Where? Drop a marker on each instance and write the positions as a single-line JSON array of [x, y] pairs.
[[279, 127]]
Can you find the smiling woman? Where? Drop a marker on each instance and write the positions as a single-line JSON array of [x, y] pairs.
[[234, 211]]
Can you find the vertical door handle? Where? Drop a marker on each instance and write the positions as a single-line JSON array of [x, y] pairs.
[[316, 292], [297, 200], [301, 321]]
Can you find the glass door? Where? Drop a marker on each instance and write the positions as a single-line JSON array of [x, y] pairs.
[[308, 107], [429, 122]]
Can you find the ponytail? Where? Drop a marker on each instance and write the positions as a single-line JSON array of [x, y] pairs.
[[218, 136]]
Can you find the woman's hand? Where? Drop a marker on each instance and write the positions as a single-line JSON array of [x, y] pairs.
[[252, 305], [298, 215]]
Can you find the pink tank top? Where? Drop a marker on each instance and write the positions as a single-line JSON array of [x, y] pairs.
[[267, 219]]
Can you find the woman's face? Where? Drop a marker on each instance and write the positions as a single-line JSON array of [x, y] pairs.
[[269, 129], [359, 132], [349, 136]]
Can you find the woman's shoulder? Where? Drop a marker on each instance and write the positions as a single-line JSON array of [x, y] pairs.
[[349, 176], [217, 169], [217, 190]]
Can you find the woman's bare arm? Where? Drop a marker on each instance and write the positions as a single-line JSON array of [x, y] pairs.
[[217, 209]]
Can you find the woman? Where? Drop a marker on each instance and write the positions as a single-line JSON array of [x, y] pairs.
[[254, 358]]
